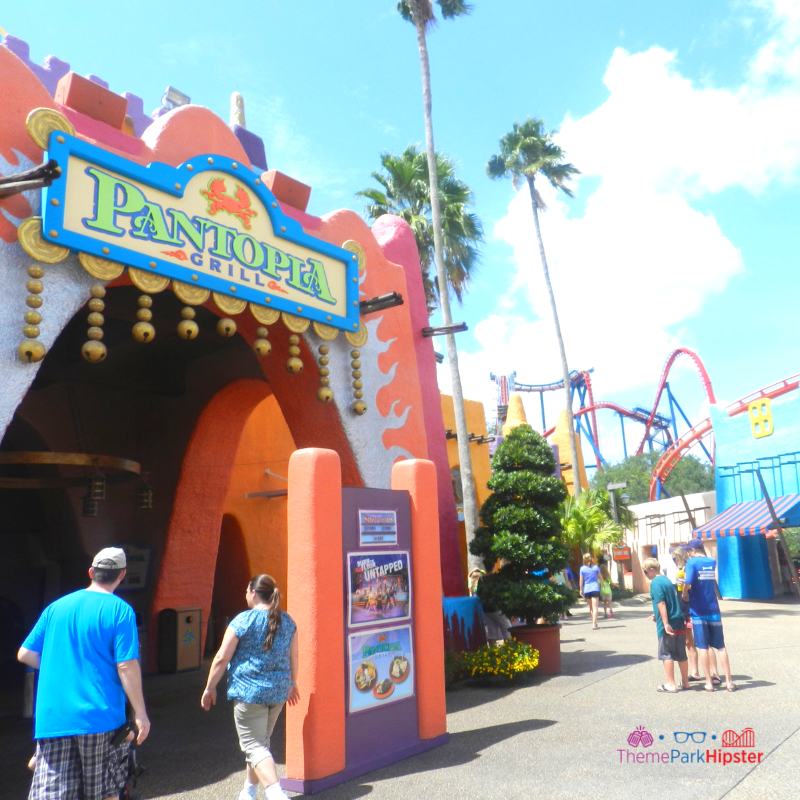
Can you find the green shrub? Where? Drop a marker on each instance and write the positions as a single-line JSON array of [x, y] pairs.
[[521, 528]]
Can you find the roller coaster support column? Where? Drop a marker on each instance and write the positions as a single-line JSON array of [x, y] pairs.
[[541, 400], [585, 428], [612, 494], [624, 444], [672, 405]]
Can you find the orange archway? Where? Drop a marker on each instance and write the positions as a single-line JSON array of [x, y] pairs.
[[186, 576]]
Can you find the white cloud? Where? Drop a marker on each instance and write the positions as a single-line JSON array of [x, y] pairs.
[[633, 268], [288, 149]]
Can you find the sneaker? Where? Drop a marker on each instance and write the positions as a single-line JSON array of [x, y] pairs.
[[248, 793], [275, 792]]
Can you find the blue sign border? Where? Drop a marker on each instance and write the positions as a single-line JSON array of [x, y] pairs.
[[164, 178]]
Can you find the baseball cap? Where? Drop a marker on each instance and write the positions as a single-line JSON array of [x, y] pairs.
[[694, 544], [110, 558]]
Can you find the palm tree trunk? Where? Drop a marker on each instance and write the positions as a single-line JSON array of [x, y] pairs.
[[573, 445], [464, 456]]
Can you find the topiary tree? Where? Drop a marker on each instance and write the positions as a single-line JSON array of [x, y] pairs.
[[521, 529]]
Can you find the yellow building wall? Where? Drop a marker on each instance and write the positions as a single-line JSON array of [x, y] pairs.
[[560, 437], [481, 463]]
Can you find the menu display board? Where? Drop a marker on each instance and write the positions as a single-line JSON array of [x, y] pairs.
[[378, 587], [380, 667], [377, 527]]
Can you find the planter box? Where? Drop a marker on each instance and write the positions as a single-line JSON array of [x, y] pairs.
[[547, 640]]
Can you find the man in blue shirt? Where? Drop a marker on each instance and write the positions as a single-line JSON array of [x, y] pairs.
[[701, 586], [86, 647]]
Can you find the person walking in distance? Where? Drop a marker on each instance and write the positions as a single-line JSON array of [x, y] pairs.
[[85, 646], [590, 586], [700, 583], [259, 651]]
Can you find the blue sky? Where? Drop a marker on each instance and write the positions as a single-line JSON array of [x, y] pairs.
[[682, 117]]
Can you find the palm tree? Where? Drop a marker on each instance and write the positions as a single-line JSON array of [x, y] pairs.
[[586, 521], [405, 191], [527, 151], [421, 14]]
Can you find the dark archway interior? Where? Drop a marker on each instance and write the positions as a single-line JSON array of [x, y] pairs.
[[141, 403], [231, 576]]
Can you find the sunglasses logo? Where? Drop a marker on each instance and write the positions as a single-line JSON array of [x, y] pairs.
[[698, 737]]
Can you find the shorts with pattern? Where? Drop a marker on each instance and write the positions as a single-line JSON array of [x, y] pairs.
[[672, 648], [85, 767], [708, 633]]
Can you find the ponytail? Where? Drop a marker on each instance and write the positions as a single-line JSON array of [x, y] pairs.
[[264, 586]]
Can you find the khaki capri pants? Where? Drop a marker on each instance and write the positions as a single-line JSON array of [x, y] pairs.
[[254, 725]]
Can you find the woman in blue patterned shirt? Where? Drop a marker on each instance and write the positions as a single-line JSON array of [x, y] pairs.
[[259, 651]]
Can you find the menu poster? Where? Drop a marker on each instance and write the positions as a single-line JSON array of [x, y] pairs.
[[377, 527], [381, 666], [379, 588]]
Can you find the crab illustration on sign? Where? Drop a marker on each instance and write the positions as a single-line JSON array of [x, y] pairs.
[[219, 200]]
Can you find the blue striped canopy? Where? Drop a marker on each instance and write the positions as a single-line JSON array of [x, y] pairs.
[[749, 519]]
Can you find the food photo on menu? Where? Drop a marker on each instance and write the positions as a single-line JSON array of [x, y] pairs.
[[378, 587], [380, 667]]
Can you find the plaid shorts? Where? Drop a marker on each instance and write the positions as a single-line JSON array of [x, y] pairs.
[[83, 767]]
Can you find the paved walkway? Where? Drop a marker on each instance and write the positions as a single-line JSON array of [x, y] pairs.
[[556, 737]]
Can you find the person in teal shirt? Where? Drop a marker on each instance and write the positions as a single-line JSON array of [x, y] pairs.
[[670, 627]]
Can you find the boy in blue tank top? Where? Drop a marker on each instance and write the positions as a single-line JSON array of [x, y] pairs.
[[701, 586]]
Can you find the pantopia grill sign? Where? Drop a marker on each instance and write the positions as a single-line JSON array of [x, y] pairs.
[[209, 222]]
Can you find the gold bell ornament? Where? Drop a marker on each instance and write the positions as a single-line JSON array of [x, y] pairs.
[[94, 350], [261, 346], [226, 327], [187, 327], [293, 363], [324, 393], [32, 350], [143, 331], [359, 406]]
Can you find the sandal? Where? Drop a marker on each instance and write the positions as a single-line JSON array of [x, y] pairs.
[[731, 687], [715, 680], [664, 690], [708, 688], [695, 678]]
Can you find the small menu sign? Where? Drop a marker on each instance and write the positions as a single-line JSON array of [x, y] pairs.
[[621, 552], [377, 527]]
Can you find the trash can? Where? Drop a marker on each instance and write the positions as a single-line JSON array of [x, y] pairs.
[[179, 637]]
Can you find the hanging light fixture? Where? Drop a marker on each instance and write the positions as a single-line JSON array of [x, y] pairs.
[[89, 506], [97, 485], [144, 494]]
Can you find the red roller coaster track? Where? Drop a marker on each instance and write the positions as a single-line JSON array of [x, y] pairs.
[[646, 420], [703, 429], [673, 356], [637, 416], [679, 448]]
